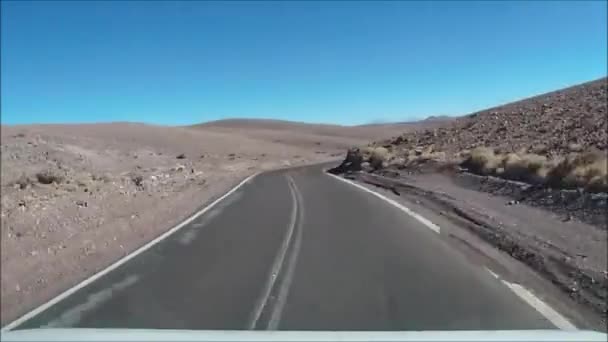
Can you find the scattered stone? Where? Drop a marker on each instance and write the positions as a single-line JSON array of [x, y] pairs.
[[181, 156], [82, 204], [137, 179]]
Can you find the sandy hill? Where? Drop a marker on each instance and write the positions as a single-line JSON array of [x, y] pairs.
[[305, 134]]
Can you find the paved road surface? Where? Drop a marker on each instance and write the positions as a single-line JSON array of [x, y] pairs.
[[297, 250]]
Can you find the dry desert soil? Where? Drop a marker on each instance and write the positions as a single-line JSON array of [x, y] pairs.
[[76, 198]]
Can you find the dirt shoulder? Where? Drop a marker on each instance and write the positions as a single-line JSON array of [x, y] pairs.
[[570, 256]]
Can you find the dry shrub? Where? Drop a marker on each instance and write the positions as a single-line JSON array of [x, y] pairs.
[[589, 170], [527, 167], [378, 156], [511, 160], [482, 160], [49, 177]]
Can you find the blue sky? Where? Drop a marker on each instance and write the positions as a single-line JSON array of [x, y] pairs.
[[334, 62]]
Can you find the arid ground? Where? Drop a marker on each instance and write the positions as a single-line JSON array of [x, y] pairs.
[[75, 198]]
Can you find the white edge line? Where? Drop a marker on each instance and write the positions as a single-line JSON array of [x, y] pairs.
[[492, 273], [407, 210], [543, 308], [118, 263], [278, 262]]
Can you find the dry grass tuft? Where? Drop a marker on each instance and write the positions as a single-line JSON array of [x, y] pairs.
[[578, 170], [588, 170], [482, 160], [527, 167], [377, 157]]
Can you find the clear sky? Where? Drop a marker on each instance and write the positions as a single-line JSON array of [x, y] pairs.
[[333, 62]]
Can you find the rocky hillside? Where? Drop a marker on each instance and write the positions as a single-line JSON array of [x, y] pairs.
[[559, 139], [571, 119]]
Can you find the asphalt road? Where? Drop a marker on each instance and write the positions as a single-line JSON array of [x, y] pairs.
[[297, 250]]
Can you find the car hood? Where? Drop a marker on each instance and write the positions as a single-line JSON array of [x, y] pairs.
[[86, 334]]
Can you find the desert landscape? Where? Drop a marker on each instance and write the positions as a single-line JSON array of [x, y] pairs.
[[529, 177], [76, 198]]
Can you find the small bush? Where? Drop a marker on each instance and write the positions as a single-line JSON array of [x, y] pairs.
[[534, 162], [49, 177], [482, 160], [510, 160], [589, 170], [378, 156]]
